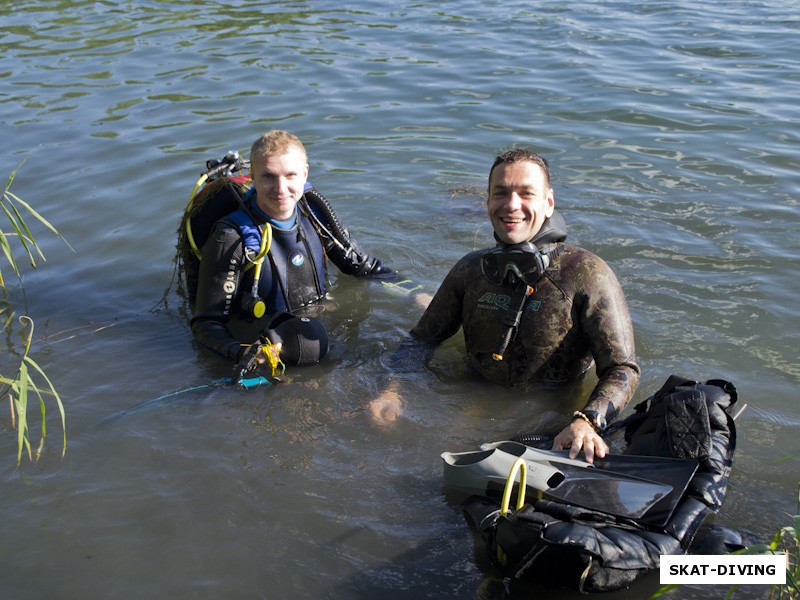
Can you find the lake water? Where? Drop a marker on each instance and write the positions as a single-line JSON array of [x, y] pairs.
[[673, 132]]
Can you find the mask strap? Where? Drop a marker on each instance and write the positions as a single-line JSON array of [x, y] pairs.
[[543, 260]]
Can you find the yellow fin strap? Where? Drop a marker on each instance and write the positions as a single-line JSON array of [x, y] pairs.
[[519, 465]]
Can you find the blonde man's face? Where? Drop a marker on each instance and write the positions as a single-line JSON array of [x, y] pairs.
[[279, 180]]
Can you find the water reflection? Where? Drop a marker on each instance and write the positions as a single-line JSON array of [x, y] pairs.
[[672, 133]]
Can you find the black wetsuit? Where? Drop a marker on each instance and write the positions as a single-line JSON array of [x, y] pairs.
[[293, 275]]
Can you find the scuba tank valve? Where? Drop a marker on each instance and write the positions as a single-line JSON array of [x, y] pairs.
[[226, 166]]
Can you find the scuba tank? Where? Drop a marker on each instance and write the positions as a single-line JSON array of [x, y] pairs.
[[223, 184]]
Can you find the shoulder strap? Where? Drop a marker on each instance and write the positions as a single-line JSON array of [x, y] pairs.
[[251, 234]]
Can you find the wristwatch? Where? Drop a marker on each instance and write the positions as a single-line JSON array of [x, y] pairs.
[[593, 417]]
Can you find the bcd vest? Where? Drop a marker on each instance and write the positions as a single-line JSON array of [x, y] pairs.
[[293, 273]]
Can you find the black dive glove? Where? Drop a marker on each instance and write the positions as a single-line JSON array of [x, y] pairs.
[[378, 270], [352, 260]]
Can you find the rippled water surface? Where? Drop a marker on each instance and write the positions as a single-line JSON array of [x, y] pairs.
[[672, 130]]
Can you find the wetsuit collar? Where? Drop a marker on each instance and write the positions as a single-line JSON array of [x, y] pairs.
[[553, 230]]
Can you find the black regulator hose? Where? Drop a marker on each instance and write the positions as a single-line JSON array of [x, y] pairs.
[[358, 261], [327, 217]]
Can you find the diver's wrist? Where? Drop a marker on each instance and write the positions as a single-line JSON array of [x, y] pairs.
[[596, 420]]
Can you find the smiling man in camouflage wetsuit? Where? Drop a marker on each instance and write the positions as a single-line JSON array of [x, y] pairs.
[[533, 309]]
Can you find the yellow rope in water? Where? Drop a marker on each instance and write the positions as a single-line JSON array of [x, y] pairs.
[[272, 353]]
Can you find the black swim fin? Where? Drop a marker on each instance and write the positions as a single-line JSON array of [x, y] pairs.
[[674, 472], [623, 494]]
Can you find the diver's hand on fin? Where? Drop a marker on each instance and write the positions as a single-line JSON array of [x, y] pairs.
[[579, 435]]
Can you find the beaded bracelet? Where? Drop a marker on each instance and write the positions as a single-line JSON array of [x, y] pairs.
[[579, 415]]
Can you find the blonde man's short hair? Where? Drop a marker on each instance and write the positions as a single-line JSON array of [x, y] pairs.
[[276, 142]]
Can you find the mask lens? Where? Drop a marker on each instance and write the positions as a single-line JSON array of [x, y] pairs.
[[493, 267]]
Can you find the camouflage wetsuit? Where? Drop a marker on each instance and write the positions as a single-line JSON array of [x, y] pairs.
[[576, 315]]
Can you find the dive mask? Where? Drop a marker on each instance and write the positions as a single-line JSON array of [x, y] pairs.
[[515, 262]]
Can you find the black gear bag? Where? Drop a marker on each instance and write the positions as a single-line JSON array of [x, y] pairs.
[[558, 544]]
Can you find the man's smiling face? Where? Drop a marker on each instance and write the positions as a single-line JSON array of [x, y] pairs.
[[520, 199]]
